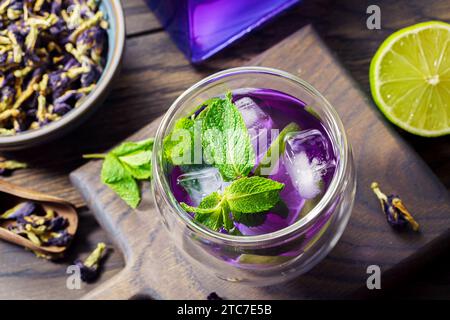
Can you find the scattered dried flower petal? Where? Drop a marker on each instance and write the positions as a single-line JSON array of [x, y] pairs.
[[396, 213], [6, 166], [90, 267], [214, 296]]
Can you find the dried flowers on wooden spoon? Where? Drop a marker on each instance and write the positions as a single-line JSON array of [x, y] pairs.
[[41, 223]]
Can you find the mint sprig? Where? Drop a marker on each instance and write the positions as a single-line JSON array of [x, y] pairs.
[[243, 198], [225, 139], [124, 166]]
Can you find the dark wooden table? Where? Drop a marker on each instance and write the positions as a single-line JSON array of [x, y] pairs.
[[154, 74]]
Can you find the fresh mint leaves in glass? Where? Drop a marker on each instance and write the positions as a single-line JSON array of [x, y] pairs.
[[253, 175]]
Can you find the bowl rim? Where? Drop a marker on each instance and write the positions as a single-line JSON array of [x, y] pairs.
[[30, 136]]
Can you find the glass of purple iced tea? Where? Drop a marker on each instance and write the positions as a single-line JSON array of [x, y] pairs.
[[253, 175]]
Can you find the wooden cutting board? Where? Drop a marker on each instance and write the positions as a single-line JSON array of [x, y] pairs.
[[155, 268]]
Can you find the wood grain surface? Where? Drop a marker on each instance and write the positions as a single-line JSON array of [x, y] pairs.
[[154, 73], [154, 267]]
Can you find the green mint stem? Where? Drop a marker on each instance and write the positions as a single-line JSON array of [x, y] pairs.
[[94, 156]]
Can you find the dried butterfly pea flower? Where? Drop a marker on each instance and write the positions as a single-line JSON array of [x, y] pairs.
[[396, 213], [26, 231], [7, 94], [33, 220], [68, 100], [100, 45], [38, 5], [22, 209], [14, 11], [50, 221], [38, 231], [4, 5], [74, 16], [213, 296], [17, 49], [90, 267], [62, 104], [86, 25], [6, 166], [32, 237], [58, 239], [58, 223], [91, 76], [45, 256], [7, 59]]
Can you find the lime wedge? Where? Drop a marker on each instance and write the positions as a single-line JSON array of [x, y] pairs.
[[410, 78]]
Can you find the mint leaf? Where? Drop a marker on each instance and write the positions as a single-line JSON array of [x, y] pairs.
[[246, 200], [276, 149], [178, 146], [208, 205], [210, 212], [129, 148], [125, 164], [120, 180], [142, 172], [225, 139], [252, 195], [136, 157], [139, 164], [112, 170], [128, 191], [254, 220]]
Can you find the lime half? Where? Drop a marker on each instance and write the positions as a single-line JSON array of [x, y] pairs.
[[410, 78]]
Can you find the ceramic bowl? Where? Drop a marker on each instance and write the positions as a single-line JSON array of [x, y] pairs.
[[116, 43]]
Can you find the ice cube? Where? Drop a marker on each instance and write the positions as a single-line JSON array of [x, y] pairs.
[[254, 116], [198, 184], [307, 158], [258, 123], [312, 142]]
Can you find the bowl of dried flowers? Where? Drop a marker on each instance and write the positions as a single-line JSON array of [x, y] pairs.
[[58, 59]]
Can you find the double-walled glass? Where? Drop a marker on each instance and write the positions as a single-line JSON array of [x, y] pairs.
[[273, 257]]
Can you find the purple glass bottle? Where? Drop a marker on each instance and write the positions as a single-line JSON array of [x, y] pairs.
[[201, 28]]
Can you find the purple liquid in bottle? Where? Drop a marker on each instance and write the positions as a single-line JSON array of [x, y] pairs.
[[306, 166], [201, 28]]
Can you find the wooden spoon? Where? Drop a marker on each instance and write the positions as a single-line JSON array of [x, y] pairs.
[[61, 207]]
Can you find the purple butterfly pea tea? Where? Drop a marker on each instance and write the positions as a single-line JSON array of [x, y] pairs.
[[306, 164]]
